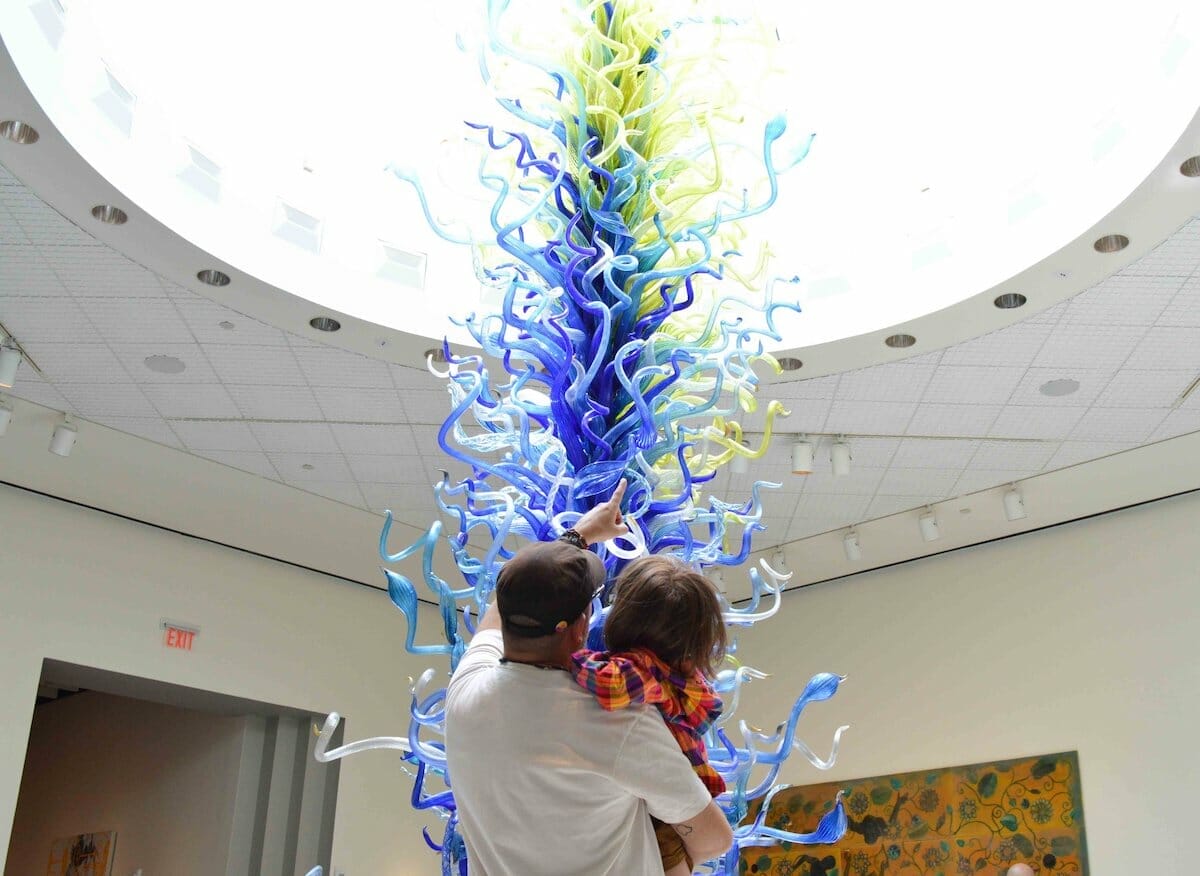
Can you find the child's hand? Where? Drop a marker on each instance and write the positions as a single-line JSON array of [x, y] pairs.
[[604, 521]]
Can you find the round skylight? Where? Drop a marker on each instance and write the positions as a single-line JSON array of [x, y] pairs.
[[955, 144]]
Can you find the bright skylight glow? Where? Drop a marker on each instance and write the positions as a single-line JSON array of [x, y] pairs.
[[956, 145]]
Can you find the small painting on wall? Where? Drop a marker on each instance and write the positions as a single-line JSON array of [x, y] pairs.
[[88, 854], [975, 820]]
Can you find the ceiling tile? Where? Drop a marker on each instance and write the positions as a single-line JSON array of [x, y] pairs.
[[75, 363], [275, 402], [1091, 383], [894, 382], [253, 462], [97, 271], [199, 435], [885, 506], [141, 322], [259, 366], [192, 400], [934, 453], [357, 439], [1074, 452], [861, 481], [24, 273], [812, 388], [1014, 455], [362, 406], [1176, 256], [1015, 345], [379, 468], [917, 482], [41, 318], [1182, 422], [410, 503], [1101, 347], [95, 400], [11, 234], [1118, 424], [832, 506], [1123, 300], [1166, 348], [962, 420], [804, 415], [1145, 389], [31, 387], [425, 439], [348, 493], [975, 480], [196, 367], [295, 437], [1184, 309], [804, 527], [972, 384], [153, 429], [298, 468], [426, 405], [329, 366], [404, 377], [1018, 421], [878, 418], [204, 319]]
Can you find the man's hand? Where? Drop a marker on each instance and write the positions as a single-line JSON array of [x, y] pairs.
[[604, 521]]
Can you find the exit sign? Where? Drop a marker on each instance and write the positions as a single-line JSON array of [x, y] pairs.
[[180, 637]]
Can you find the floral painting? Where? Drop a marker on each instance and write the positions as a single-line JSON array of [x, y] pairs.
[[88, 854], [953, 821]]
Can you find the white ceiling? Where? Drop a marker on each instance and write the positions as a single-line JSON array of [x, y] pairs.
[[271, 403]]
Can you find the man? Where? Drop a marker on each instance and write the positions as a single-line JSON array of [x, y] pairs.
[[546, 781]]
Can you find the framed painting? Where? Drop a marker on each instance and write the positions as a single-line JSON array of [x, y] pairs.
[[953, 821], [86, 854]]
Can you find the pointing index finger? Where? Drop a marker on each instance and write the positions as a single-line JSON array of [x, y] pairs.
[[619, 492]]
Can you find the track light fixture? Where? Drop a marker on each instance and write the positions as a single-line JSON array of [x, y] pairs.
[[779, 562], [851, 546], [5, 415], [929, 525], [62, 442], [1014, 504], [10, 360], [839, 457], [739, 465], [802, 457]]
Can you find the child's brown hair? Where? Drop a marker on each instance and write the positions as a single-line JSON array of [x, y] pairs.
[[669, 609]]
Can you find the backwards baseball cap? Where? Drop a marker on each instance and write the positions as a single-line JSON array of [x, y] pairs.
[[546, 586]]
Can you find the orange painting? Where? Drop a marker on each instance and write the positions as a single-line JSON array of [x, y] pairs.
[[88, 854], [953, 821]]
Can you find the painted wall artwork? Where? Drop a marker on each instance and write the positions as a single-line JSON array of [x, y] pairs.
[[954, 821], [88, 854]]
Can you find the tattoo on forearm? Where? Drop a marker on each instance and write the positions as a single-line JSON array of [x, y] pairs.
[[683, 829]]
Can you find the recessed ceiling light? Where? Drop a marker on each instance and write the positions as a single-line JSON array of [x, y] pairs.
[[1010, 300], [1191, 167], [165, 364], [110, 215], [790, 363], [213, 277], [1056, 388], [227, 325], [900, 341], [1111, 243], [308, 466], [18, 132], [325, 323]]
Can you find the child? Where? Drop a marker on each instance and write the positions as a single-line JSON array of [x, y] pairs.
[[660, 650]]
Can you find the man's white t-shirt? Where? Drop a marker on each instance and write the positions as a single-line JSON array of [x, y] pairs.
[[547, 782]]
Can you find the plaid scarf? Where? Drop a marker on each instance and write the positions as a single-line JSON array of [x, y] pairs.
[[688, 704]]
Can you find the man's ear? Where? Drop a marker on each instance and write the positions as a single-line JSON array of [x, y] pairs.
[[580, 628]]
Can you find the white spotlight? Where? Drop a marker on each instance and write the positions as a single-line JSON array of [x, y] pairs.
[[5, 415], [802, 458], [851, 546], [63, 439], [10, 360], [1014, 504], [839, 457], [929, 526], [739, 465]]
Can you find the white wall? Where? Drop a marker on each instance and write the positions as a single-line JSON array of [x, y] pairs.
[[1079, 637], [90, 589], [165, 779]]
